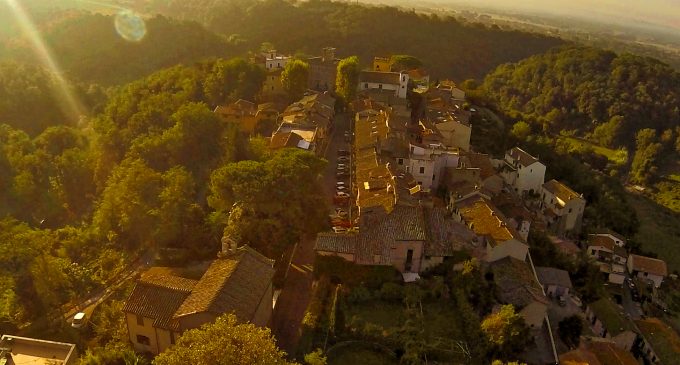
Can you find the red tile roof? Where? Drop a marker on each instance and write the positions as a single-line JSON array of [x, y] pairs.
[[649, 265]]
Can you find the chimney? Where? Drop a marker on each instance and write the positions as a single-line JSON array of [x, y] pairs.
[[228, 246]]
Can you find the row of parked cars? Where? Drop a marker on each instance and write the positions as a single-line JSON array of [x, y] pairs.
[[343, 192]]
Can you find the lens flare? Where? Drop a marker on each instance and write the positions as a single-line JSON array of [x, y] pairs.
[[130, 26], [72, 106]]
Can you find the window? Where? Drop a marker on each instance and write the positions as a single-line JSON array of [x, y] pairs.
[[569, 210], [420, 183], [140, 320], [366, 85], [172, 338], [422, 170], [143, 340], [380, 86], [400, 161], [433, 176]]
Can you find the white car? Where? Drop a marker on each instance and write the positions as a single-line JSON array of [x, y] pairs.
[[78, 320], [339, 229], [342, 194], [343, 159]]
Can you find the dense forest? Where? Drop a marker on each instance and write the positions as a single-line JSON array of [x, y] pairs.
[[614, 101], [586, 88], [90, 50], [447, 47]]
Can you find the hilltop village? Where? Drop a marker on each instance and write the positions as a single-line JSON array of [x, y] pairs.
[[433, 252]]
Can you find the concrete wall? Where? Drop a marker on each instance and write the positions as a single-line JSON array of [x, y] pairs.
[[146, 330], [196, 320], [347, 256], [272, 85], [399, 252], [531, 178]]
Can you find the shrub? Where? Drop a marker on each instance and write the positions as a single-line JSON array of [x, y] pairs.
[[391, 292]]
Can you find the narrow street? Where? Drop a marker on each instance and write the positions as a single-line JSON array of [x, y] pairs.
[[295, 295]]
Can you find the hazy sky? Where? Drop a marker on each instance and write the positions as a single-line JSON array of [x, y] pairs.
[[664, 13]]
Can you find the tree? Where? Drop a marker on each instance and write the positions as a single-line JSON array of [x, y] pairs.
[[316, 358], [294, 78], [224, 342], [112, 355], [250, 195], [506, 331], [347, 80], [521, 130], [607, 134], [570, 330], [404, 62]]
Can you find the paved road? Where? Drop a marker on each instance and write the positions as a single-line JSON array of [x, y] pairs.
[[632, 310], [295, 295]]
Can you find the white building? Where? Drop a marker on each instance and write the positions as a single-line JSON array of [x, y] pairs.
[[427, 164], [388, 81], [563, 208], [275, 61], [647, 268], [524, 172]]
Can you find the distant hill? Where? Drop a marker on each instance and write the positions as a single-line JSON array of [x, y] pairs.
[[583, 88], [448, 48], [89, 50]]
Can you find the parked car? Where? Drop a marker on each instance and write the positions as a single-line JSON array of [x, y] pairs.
[[341, 183], [339, 230], [341, 174], [342, 194], [343, 189], [342, 152], [343, 159], [79, 320], [341, 212]]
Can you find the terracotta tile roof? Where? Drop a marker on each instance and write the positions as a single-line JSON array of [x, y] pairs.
[[418, 73], [483, 162], [662, 338], [445, 235], [566, 246], [610, 354], [379, 232], [561, 191], [377, 77], [158, 297], [598, 352], [234, 283], [552, 276], [648, 264], [516, 283], [485, 219], [524, 158], [609, 232], [338, 243], [604, 241], [286, 139]]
